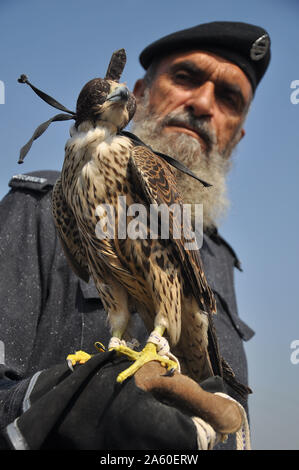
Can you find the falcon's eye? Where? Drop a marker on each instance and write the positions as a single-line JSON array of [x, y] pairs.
[[120, 93]]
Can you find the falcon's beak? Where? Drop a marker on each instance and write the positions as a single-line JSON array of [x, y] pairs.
[[120, 93]]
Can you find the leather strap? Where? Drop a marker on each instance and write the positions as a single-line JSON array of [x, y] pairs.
[[47, 98], [172, 161], [39, 131]]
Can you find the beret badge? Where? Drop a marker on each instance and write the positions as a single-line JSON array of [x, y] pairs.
[[260, 47]]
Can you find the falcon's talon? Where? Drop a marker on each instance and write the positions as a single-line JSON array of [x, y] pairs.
[[99, 346], [80, 357], [148, 354], [169, 372]]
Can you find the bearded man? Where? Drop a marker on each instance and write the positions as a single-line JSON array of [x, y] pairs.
[[192, 104]]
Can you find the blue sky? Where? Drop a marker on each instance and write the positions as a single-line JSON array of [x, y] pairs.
[[62, 44]]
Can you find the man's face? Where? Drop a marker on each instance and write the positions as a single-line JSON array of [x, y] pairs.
[[205, 86], [193, 109]]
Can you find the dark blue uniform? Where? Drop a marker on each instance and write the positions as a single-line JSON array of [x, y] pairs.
[[46, 312]]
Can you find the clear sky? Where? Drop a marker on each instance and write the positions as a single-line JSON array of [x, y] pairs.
[[62, 44]]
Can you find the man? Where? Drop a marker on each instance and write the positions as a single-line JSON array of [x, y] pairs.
[[192, 104]]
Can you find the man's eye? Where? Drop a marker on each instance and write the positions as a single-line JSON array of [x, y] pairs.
[[230, 100], [182, 77]]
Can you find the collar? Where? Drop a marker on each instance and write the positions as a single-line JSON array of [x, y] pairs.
[[213, 234]]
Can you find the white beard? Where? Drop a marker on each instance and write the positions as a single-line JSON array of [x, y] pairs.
[[210, 165]]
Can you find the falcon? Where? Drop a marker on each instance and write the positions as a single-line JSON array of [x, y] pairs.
[[159, 278]]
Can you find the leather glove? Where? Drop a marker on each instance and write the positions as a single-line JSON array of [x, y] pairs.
[[87, 409]]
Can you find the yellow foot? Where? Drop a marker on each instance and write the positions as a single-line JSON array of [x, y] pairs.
[[80, 357], [149, 353]]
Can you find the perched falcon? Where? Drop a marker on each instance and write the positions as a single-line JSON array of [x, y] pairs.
[[157, 277]]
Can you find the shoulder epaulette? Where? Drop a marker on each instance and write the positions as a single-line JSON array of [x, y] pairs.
[[42, 181]]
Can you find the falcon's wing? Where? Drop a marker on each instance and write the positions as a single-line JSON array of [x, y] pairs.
[[68, 232], [158, 183]]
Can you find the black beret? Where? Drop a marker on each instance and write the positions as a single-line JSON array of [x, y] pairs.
[[246, 45]]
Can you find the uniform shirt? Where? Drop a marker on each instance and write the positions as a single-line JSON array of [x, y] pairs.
[[46, 312]]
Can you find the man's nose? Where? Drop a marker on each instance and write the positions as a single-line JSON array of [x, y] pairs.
[[201, 100]]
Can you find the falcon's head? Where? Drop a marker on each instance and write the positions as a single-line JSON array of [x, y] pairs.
[[101, 99], [106, 99]]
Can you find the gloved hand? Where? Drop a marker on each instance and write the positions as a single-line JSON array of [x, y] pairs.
[[87, 409]]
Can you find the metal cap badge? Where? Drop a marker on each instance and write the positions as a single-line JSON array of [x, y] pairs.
[[260, 47]]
